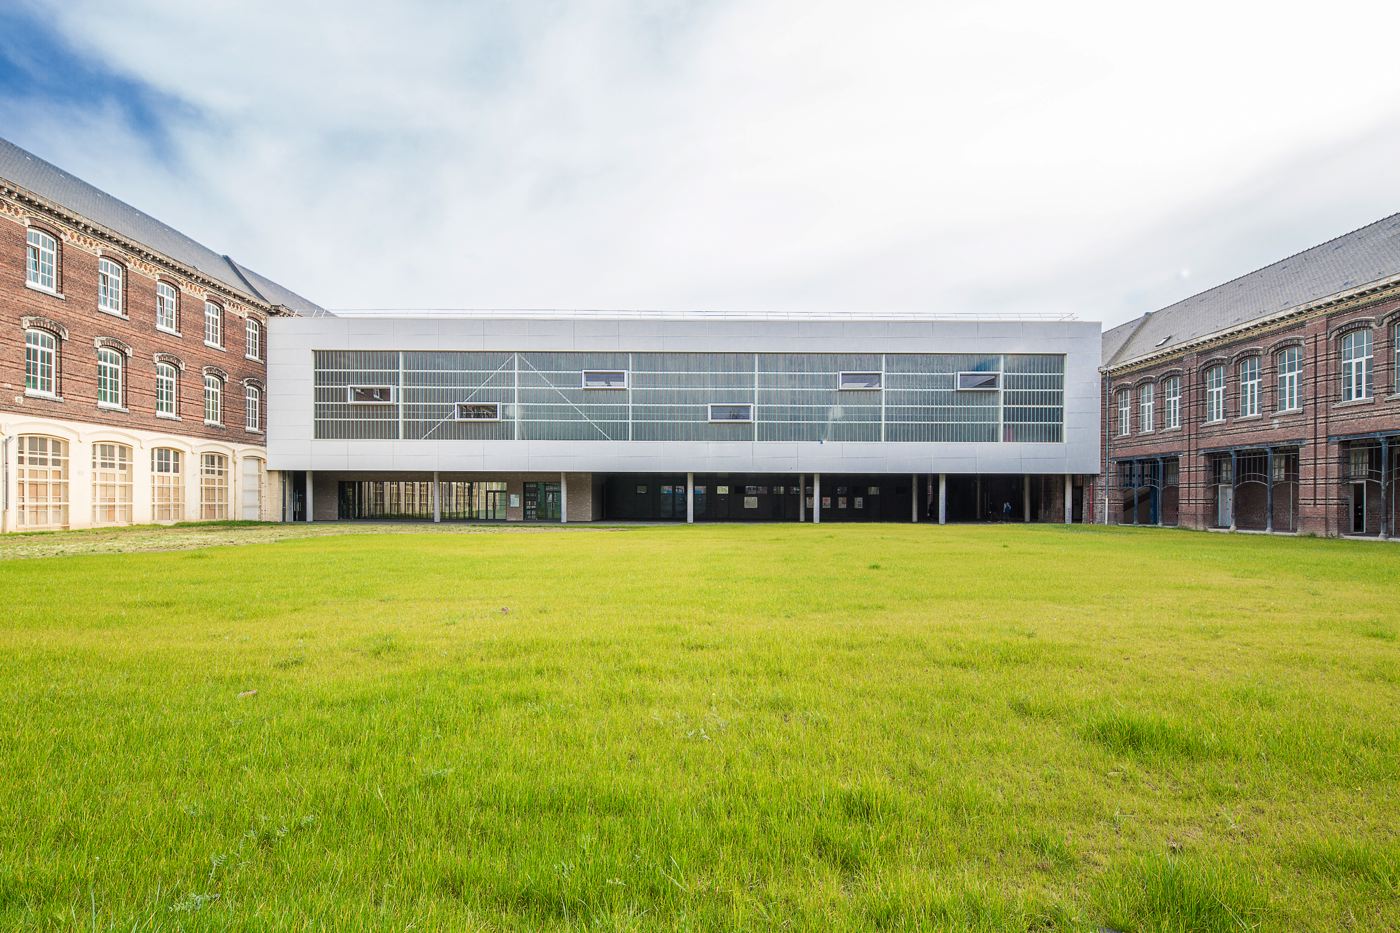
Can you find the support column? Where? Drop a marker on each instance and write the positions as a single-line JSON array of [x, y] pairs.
[[310, 495], [1161, 488], [914, 498], [1026, 498], [1386, 491], [1234, 487], [977, 515], [801, 497], [1069, 499], [816, 498], [563, 498], [942, 498], [1268, 489], [437, 499], [690, 498]]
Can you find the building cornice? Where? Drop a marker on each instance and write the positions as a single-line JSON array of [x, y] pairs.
[[29, 201], [1353, 300]]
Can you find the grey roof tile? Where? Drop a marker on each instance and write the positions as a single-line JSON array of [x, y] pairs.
[[28, 171], [1349, 263]]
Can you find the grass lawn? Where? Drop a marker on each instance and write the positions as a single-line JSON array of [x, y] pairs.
[[726, 727]]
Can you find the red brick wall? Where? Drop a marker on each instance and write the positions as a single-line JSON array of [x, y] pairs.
[[77, 311], [1322, 494]]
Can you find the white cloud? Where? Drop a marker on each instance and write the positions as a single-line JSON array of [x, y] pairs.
[[750, 155]]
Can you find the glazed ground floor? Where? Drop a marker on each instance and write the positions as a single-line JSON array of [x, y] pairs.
[[1346, 488], [58, 474], [681, 497]]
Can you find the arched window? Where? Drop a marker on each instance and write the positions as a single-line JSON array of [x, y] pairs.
[[252, 335], [111, 382], [40, 362], [1356, 365], [111, 484], [213, 487], [1215, 393], [253, 490], [252, 405], [213, 399], [1125, 412], [167, 308], [41, 271], [1288, 362], [109, 287], [1171, 402], [1146, 399], [167, 485], [213, 325], [1250, 386], [167, 390], [42, 482]]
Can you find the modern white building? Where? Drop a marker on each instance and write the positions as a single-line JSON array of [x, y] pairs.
[[581, 416]]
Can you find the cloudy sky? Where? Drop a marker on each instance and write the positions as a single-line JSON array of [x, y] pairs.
[[748, 155]]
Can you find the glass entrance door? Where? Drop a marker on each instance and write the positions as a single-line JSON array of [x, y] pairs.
[[1358, 508], [541, 502], [672, 502]]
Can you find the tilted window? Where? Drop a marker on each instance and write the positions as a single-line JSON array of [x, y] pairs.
[[1215, 394], [111, 382], [979, 382], [1250, 385], [604, 379], [370, 395], [478, 411], [213, 400], [167, 307], [731, 413], [860, 382], [41, 269], [1289, 364], [1356, 365], [40, 362]]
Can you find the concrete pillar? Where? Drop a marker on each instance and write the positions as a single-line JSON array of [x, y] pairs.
[[1069, 499], [563, 498], [816, 498], [977, 515], [310, 496], [942, 498], [1234, 487], [1269, 489], [801, 497], [142, 508], [1026, 498], [437, 498], [690, 498], [914, 498]]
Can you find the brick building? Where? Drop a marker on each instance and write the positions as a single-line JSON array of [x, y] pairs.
[[132, 363], [1269, 403]]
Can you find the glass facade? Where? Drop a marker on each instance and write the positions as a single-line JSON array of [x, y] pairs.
[[389, 499], [904, 397]]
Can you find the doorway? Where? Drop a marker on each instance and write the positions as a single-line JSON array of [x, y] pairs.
[[1358, 508], [541, 502]]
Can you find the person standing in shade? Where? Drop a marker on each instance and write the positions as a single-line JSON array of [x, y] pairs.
[[1006, 511]]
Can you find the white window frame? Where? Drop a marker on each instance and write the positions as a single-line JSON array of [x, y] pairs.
[[168, 298], [252, 339], [879, 381], [1356, 368], [1146, 399], [41, 261], [111, 483], [1215, 394], [1125, 412], [167, 376], [1171, 402], [351, 400], [167, 485], [978, 375], [111, 281], [213, 324], [252, 408], [710, 411], [111, 368], [1251, 375], [458, 408], [584, 379], [213, 400], [44, 346], [1290, 379], [214, 473]]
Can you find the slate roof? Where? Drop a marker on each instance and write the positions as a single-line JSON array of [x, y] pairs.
[[25, 170], [1350, 263]]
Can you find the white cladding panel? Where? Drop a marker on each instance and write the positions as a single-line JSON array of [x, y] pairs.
[[294, 341]]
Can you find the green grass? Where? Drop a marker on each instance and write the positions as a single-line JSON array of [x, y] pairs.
[[802, 727]]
